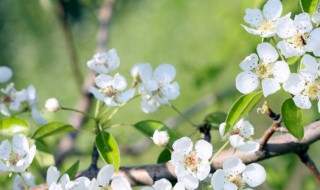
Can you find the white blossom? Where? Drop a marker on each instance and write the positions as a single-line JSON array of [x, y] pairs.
[[164, 184], [305, 86], [263, 22], [236, 175], [104, 62], [5, 74], [11, 99], [263, 68], [112, 89], [106, 180], [32, 99], [28, 178], [16, 157], [52, 105], [239, 135], [298, 36], [160, 138], [191, 165]]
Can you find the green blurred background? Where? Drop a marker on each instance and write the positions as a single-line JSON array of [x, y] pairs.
[[203, 39]]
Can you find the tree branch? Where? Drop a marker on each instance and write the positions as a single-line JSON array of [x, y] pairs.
[[305, 158]]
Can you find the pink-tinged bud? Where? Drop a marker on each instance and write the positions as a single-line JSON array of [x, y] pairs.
[[52, 105]]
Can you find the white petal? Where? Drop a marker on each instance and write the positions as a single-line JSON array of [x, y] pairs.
[[5, 150], [253, 17], [149, 106], [189, 181], [303, 22], [4, 111], [285, 27], [126, 96], [120, 83], [269, 86], [179, 186], [30, 155], [295, 84], [254, 175], [316, 17], [97, 94], [203, 149], [247, 82], [93, 184], [249, 146], [171, 91], [164, 72], [113, 59], [236, 140], [37, 117], [53, 175], [203, 170], [105, 174], [20, 145], [251, 30], [272, 9], [308, 75], [145, 73], [4, 167], [218, 180], [302, 101], [250, 62], [5, 74], [310, 62], [177, 157], [222, 128], [267, 52], [64, 180], [230, 186], [120, 183], [103, 81], [289, 50], [233, 166], [184, 144], [162, 184], [245, 128], [280, 71]]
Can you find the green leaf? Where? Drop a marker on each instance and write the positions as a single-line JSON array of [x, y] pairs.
[[72, 171], [108, 149], [164, 156], [292, 118], [53, 128], [10, 126], [308, 6], [148, 127], [241, 107], [293, 60], [43, 146], [215, 119]]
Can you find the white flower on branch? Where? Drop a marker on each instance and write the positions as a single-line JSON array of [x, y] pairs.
[[5, 74], [11, 99], [160, 138], [54, 181], [238, 136], [28, 178], [112, 89], [263, 22], [191, 165], [298, 36], [262, 67], [164, 184], [105, 62], [52, 105], [18, 156], [106, 181], [236, 175], [305, 85]]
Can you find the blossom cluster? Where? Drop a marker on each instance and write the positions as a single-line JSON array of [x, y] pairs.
[[156, 88], [283, 38], [13, 101]]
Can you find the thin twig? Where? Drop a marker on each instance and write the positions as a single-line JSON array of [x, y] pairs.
[[305, 158]]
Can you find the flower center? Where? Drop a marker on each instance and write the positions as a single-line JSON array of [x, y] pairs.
[[263, 70], [6, 99], [267, 27], [110, 91], [191, 161], [237, 180], [14, 158], [299, 40], [313, 90]]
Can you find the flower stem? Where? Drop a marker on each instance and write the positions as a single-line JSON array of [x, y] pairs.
[[219, 151], [96, 112], [23, 181], [78, 111], [183, 116]]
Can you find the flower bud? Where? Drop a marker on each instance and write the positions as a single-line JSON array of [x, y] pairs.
[[161, 138], [52, 105]]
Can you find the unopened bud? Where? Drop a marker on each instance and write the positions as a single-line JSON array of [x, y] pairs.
[[52, 105], [161, 138]]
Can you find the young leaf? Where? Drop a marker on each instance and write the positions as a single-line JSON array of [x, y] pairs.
[[72, 171], [292, 118], [308, 6], [164, 156], [53, 128], [10, 126], [241, 107], [148, 127], [215, 119], [108, 149]]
